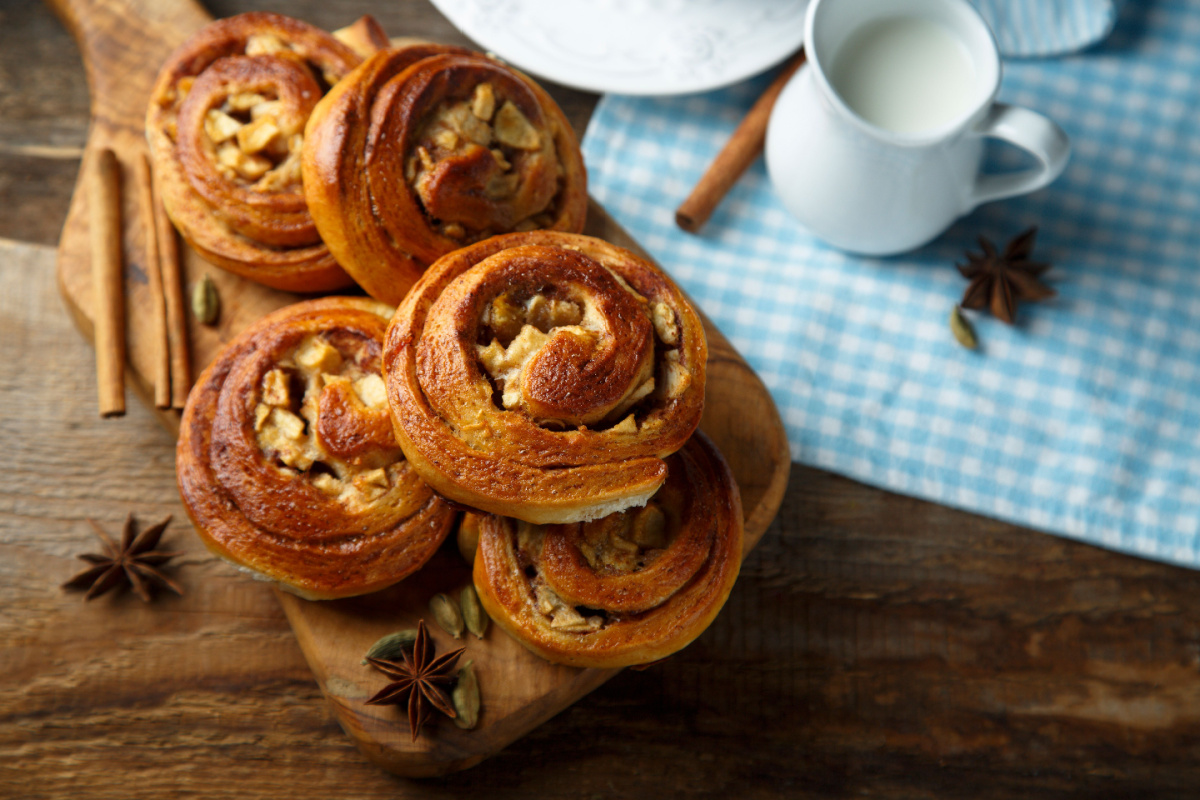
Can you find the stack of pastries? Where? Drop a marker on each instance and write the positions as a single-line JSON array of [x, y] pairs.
[[548, 382]]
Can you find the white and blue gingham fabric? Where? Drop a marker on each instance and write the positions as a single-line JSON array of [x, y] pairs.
[[1084, 418], [1047, 27]]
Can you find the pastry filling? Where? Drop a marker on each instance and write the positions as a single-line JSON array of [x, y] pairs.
[[618, 544], [254, 144], [322, 416], [480, 167], [625, 542], [253, 139], [517, 327], [556, 613]]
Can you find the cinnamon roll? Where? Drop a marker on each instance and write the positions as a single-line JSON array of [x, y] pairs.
[[425, 149], [544, 376], [629, 588], [226, 126], [287, 463]]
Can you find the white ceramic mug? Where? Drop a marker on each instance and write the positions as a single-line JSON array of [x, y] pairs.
[[925, 73]]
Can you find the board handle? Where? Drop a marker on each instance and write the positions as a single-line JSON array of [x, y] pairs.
[[105, 30]]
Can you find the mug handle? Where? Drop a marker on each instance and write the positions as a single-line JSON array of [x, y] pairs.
[[1032, 132]]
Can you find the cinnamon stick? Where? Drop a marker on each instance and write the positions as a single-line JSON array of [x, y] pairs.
[[158, 302], [737, 154], [108, 281], [172, 279]]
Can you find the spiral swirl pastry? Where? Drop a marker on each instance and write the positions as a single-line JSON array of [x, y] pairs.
[[286, 459], [226, 127], [629, 588], [425, 149], [544, 376]]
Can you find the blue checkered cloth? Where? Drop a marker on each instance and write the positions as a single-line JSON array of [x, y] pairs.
[[1084, 418], [1047, 27]]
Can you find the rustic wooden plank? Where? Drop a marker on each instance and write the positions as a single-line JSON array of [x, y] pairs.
[[43, 122], [43, 97], [875, 645]]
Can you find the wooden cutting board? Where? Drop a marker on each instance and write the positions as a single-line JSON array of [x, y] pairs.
[[123, 42]]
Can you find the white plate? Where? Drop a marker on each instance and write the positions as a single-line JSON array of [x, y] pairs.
[[641, 47]]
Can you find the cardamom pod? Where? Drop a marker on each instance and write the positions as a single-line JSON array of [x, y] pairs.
[[472, 612], [962, 329], [206, 303], [445, 613], [391, 646], [465, 697]]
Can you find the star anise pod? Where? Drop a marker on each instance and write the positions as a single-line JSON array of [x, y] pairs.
[[418, 680], [134, 561], [999, 280]]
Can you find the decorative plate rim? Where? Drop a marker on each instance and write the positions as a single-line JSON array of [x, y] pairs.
[[712, 44]]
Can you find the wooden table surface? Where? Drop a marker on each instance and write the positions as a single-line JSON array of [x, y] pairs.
[[875, 645]]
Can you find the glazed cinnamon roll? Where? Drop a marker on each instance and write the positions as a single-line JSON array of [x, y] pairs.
[[544, 376], [287, 463], [424, 149], [226, 126], [629, 588]]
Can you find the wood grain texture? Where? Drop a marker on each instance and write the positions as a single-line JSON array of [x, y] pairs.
[[523, 690], [875, 645]]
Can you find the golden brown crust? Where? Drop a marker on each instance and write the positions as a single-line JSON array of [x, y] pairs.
[[225, 127], [286, 461], [365, 36], [424, 149], [619, 591], [544, 376]]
